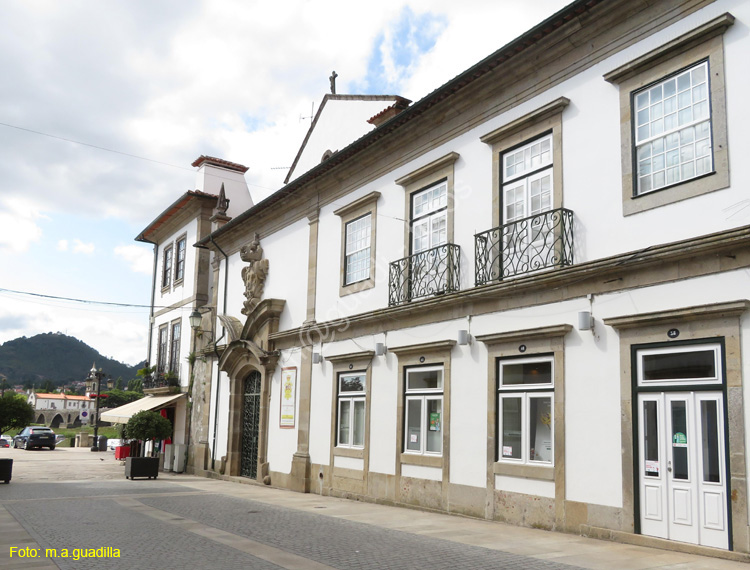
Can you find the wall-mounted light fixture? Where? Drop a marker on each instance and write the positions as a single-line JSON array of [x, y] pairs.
[[585, 321], [316, 358], [379, 349], [464, 337]]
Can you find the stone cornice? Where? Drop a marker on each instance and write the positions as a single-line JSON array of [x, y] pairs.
[[695, 36], [615, 273], [697, 313], [351, 356], [528, 334], [423, 347], [428, 169], [521, 123], [366, 200]]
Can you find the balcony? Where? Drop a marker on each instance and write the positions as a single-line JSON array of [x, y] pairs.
[[431, 272], [161, 383], [531, 244]]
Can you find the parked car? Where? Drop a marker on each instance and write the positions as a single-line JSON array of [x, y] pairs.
[[30, 437], [5, 441], [113, 442]]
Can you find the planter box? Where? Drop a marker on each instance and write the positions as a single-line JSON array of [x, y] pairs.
[[141, 467], [6, 469]]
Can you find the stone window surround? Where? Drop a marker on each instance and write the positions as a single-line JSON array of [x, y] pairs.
[[438, 170], [367, 204], [543, 120], [702, 43], [709, 323], [177, 282], [544, 341], [436, 354], [350, 363]]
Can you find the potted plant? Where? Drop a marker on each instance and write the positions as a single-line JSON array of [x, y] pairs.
[[145, 426]]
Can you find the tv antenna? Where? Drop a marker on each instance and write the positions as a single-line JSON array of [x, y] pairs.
[[312, 113]]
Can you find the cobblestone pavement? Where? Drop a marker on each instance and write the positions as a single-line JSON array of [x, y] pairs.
[[77, 499], [164, 525]]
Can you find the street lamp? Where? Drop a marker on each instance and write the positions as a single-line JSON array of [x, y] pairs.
[[94, 382]]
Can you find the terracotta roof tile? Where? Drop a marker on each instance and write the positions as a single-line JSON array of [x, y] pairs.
[[219, 162]]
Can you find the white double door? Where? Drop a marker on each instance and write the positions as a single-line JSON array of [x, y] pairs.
[[682, 467]]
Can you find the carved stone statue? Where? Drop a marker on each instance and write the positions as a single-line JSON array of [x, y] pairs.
[[254, 275]]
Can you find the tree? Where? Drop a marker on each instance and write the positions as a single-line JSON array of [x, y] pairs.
[[47, 387], [118, 383], [135, 385], [15, 412], [117, 398], [147, 425]]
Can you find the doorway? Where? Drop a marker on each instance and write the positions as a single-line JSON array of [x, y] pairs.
[[682, 474], [250, 425]]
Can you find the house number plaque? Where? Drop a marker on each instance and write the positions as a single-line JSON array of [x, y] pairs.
[[522, 348], [673, 333]]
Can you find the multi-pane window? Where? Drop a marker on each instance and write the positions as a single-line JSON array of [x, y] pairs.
[[357, 255], [527, 180], [179, 264], [673, 130], [351, 410], [423, 418], [429, 226], [166, 277], [163, 349], [174, 354], [526, 410]]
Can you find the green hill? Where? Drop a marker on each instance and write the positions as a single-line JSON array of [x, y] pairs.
[[56, 357]]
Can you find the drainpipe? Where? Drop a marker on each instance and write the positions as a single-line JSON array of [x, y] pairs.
[[216, 342], [153, 300]]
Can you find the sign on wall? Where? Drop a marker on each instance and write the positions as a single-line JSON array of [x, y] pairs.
[[288, 397]]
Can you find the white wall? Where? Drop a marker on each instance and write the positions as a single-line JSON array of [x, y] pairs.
[[339, 124]]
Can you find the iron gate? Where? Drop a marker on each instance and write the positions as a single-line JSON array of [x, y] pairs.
[[250, 425]]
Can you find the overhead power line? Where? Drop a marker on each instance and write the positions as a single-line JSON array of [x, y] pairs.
[[86, 301]]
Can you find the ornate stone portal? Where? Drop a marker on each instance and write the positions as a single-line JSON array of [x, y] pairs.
[[254, 275]]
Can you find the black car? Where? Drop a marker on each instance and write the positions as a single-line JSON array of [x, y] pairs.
[[31, 437]]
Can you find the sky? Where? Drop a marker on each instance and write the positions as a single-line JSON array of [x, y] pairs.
[[105, 105]]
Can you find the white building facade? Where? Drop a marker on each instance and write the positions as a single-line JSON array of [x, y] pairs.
[[522, 298]]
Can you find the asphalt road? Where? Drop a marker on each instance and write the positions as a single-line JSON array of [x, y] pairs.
[[77, 503]]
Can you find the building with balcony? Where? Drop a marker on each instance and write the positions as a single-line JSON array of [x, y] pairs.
[[523, 297]]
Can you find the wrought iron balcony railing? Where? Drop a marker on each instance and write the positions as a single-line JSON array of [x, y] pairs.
[[160, 380], [430, 272], [537, 242]]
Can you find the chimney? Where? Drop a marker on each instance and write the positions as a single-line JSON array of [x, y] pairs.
[[389, 112]]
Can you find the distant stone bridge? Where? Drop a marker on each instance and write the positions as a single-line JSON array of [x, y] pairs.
[[58, 418]]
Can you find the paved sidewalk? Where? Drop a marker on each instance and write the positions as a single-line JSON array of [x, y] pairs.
[[78, 498]]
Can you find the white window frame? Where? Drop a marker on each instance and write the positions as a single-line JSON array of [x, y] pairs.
[[162, 353], [526, 393], [166, 278], [180, 262], [423, 395], [677, 349], [431, 217], [364, 248], [351, 397], [646, 167], [174, 347]]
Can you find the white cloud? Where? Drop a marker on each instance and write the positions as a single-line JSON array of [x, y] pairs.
[[81, 247], [18, 225], [62, 245], [140, 259]]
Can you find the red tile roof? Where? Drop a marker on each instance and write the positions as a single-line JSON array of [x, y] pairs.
[[219, 162]]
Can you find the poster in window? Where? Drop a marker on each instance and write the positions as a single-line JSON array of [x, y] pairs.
[[288, 397], [434, 421]]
